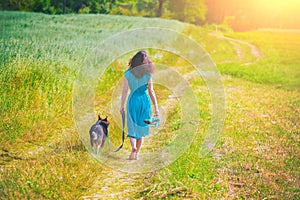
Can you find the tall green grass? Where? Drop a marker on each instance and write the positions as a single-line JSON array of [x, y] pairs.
[[280, 63], [40, 56], [34, 94]]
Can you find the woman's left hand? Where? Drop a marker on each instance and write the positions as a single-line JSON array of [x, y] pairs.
[[121, 110]]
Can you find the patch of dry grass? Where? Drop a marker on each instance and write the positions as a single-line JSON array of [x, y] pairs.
[[260, 145]]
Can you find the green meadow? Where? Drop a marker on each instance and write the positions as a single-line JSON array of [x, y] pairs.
[[42, 157]]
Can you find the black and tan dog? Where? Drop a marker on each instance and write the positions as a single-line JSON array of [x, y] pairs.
[[99, 133]]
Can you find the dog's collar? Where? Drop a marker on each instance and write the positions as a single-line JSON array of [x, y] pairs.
[[105, 126]]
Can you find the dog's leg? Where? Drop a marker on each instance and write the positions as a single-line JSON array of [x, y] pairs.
[[101, 135], [103, 140], [99, 144], [93, 139], [98, 147]]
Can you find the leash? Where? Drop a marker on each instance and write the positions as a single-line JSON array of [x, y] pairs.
[[123, 134], [154, 121]]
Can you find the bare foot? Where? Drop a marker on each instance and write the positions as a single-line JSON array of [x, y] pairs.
[[136, 156], [133, 155]]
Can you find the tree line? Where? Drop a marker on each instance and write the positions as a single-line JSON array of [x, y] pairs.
[[239, 14], [192, 11]]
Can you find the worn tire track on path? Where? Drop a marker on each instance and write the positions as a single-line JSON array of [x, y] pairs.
[[237, 44]]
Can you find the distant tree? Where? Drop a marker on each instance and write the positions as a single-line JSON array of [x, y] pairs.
[[147, 7], [195, 11], [76, 5], [192, 11], [41, 6], [159, 12], [111, 4], [104, 6], [94, 6], [124, 7], [151, 7], [14, 5], [216, 11]]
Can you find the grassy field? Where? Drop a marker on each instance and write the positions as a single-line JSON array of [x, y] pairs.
[[41, 156]]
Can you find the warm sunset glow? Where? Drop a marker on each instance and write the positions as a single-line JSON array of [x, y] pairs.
[[252, 14], [287, 11]]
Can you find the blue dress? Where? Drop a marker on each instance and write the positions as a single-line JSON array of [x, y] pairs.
[[138, 105]]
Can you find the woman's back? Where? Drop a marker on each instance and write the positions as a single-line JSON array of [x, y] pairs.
[[137, 85]]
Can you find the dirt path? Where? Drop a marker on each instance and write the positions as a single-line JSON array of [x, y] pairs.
[[239, 51], [115, 185], [254, 50]]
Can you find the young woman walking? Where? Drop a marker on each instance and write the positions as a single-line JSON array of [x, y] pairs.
[[138, 78]]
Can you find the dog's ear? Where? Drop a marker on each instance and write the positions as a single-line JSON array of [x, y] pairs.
[[105, 120], [99, 118]]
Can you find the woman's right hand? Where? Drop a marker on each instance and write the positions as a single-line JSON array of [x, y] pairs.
[[156, 112]]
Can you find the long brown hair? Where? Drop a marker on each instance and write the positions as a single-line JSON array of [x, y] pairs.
[[140, 64]]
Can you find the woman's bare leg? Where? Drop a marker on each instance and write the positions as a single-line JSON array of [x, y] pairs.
[[139, 143], [133, 148]]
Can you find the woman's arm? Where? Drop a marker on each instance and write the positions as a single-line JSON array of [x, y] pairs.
[[124, 95], [153, 96]]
